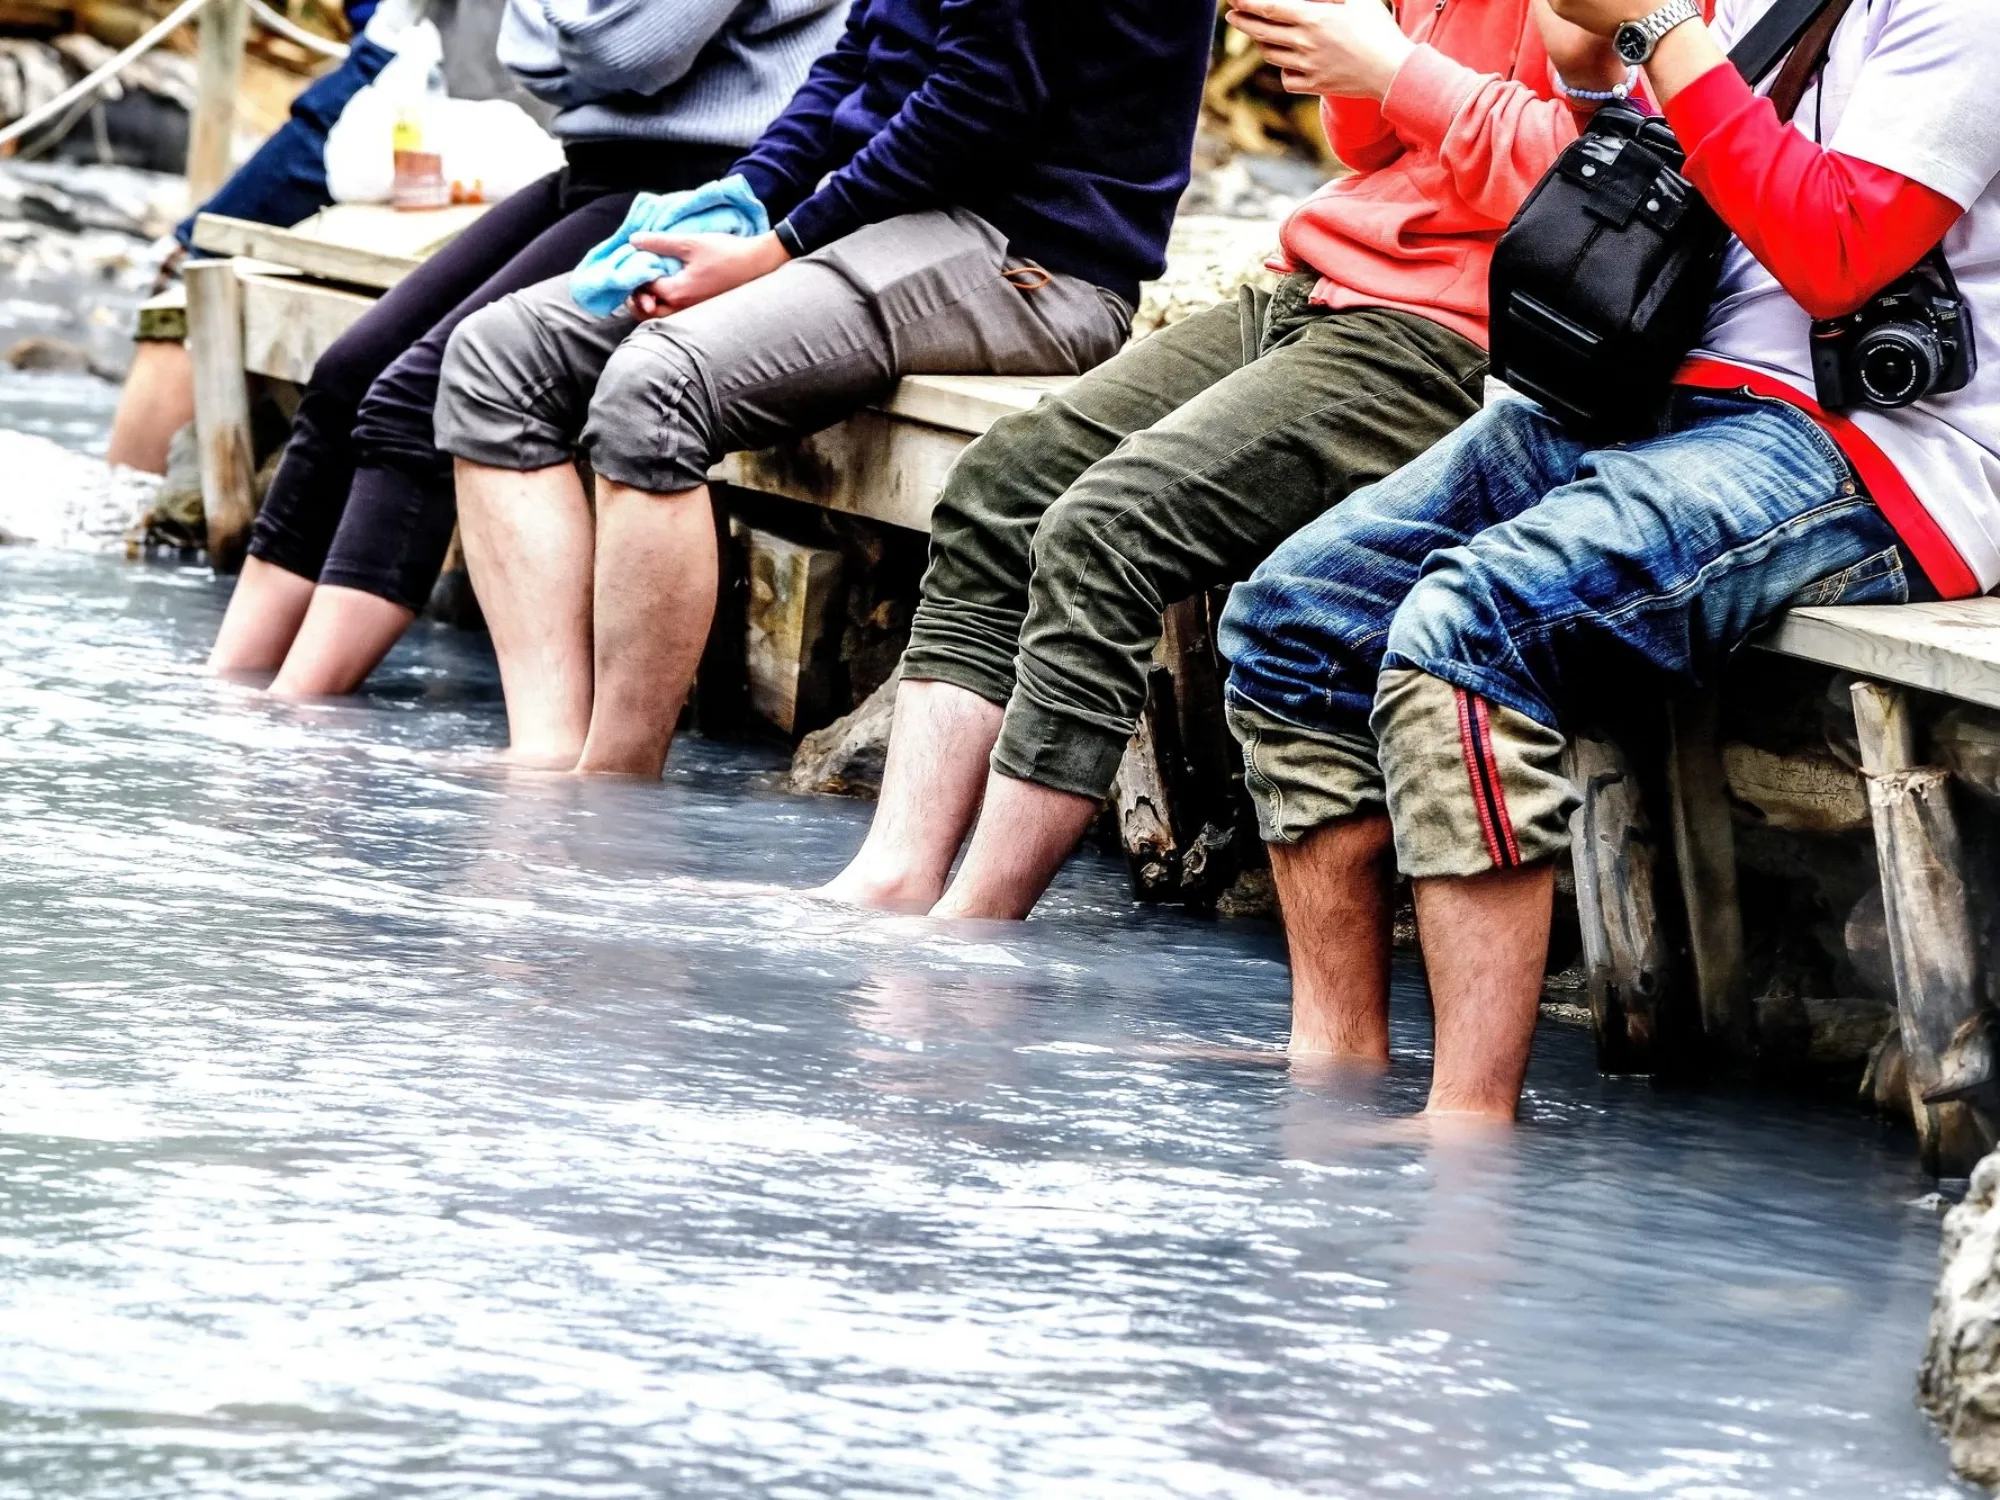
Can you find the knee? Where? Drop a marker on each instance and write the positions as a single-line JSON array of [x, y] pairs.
[[1484, 603], [1471, 785], [399, 407], [982, 473], [474, 355], [1079, 534], [1293, 634], [344, 372], [653, 422]]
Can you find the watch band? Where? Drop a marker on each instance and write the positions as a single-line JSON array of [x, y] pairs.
[[1635, 40]]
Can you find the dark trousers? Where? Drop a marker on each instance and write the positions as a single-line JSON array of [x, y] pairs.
[[362, 497], [1062, 534], [286, 180]]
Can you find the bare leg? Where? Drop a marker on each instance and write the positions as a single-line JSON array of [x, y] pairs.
[[156, 402], [1486, 945], [938, 748], [529, 546], [656, 581], [1025, 833], [263, 618], [345, 634], [1335, 888]]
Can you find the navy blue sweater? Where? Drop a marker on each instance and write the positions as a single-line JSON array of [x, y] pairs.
[[1068, 127]]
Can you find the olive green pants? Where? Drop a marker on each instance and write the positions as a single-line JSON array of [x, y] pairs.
[[1064, 533]]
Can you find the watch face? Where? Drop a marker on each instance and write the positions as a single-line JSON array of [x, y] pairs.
[[1630, 42]]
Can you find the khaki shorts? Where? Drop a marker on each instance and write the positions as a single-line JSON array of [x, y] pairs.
[[533, 379]]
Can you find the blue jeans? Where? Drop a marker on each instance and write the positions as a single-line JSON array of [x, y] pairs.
[[1424, 642], [286, 180]]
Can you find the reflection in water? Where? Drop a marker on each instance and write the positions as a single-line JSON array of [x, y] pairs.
[[374, 1125]]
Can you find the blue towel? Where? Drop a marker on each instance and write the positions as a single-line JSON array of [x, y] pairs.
[[611, 273]]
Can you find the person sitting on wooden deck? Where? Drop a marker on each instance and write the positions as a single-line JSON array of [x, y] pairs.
[[1064, 531], [652, 94], [282, 183], [1401, 670], [961, 187]]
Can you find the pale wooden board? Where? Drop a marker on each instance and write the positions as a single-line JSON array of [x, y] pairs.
[[221, 408], [1949, 648], [870, 465], [376, 226], [792, 598], [361, 243], [969, 403], [288, 322]]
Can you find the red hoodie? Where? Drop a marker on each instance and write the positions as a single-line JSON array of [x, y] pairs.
[[1469, 126]]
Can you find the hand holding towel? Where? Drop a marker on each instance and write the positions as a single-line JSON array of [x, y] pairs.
[[611, 273]]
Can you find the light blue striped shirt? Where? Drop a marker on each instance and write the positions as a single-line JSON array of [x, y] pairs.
[[700, 72]]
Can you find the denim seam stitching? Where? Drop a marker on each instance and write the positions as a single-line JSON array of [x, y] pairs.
[[1542, 629]]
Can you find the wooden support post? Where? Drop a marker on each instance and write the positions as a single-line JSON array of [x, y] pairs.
[[1705, 855], [1182, 813], [794, 590], [221, 409], [1143, 799], [1616, 859], [1932, 946], [218, 80]]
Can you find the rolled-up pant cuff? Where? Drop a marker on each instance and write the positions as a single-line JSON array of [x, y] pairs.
[[1057, 751], [1302, 779], [1472, 786], [921, 664], [483, 433]]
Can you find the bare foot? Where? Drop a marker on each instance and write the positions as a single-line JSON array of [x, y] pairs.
[[887, 891], [554, 759]]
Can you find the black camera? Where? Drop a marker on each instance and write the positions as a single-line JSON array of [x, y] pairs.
[[1912, 340]]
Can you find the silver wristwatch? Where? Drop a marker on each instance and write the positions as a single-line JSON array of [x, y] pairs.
[[1635, 40]]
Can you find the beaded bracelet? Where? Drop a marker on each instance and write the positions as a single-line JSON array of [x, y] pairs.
[[1614, 95]]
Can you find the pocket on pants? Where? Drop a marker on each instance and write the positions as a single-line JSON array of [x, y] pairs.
[[1880, 579]]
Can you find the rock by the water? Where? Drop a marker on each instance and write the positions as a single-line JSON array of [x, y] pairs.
[[40, 352], [176, 518], [845, 759], [1960, 1382], [56, 497]]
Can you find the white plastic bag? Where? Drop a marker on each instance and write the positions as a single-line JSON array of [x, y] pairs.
[[361, 149], [491, 147]]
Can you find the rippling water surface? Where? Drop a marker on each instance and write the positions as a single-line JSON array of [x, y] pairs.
[[371, 1125]]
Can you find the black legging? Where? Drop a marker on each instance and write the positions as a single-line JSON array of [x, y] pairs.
[[362, 497]]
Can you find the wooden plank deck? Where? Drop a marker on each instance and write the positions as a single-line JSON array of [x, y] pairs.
[[1951, 648], [358, 243]]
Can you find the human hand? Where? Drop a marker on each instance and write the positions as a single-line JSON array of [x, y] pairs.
[[1348, 48], [711, 264], [1601, 17], [1582, 59]]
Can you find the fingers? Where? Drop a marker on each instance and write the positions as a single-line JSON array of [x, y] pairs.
[[1264, 33], [1284, 12], [677, 246], [656, 299]]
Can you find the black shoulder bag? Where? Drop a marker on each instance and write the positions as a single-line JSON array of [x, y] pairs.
[[1602, 284]]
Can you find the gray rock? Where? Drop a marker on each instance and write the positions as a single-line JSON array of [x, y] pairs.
[[1960, 1381], [40, 352], [176, 519], [845, 759]]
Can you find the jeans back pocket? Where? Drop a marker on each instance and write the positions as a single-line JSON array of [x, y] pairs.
[[1879, 579]]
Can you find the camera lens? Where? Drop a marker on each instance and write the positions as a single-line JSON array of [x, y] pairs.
[[1897, 363]]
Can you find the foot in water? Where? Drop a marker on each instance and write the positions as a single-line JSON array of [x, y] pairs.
[[884, 891]]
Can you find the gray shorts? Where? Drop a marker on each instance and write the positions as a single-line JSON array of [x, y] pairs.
[[532, 379]]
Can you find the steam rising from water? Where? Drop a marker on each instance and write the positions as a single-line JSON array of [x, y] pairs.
[[374, 1125]]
